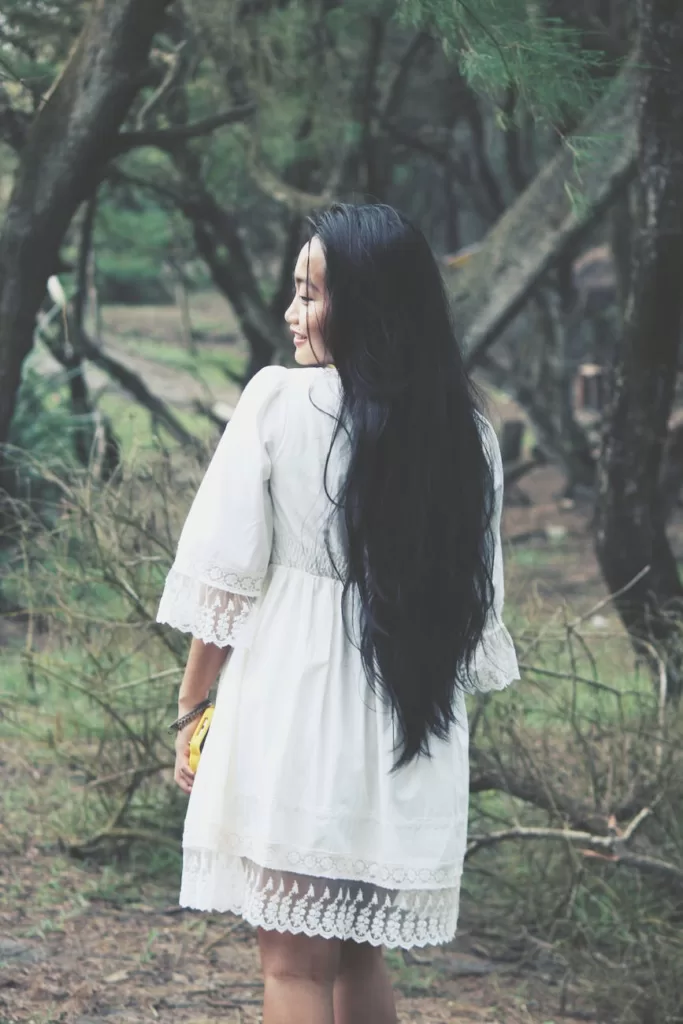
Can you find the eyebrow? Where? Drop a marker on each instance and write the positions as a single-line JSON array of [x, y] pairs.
[[309, 283]]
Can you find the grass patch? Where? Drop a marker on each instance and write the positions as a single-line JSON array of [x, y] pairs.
[[212, 361], [137, 435], [411, 979]]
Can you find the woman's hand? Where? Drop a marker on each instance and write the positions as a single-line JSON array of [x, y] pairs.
[[183, 774], [204, 663]]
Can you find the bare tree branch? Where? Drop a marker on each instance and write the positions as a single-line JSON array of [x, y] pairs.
[[610, 848], [224, 252], [136, 386], [297, 200], [168, 138], [397, 87], [489, 773], [94, 435], [174, 71]]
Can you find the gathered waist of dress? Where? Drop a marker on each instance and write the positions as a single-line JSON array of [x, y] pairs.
[[315, 562]]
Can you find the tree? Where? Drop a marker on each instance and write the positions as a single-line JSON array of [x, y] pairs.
[[630, 533], [62, 158], [347, 101], [560, 205], [515, 284]]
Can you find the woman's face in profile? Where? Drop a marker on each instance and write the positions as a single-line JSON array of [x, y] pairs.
[[306, 314]]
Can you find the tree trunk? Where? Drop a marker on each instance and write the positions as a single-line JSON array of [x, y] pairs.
[[95, 442], [62, 160], [218, 242], [558, 207], [552, 394], [221, 248], [630, 534]]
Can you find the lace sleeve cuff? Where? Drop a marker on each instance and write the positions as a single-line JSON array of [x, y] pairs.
[[495, 663], [213, 615]]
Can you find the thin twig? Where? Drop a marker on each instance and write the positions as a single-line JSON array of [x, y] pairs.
[[144, 679], [173, 72], [151, 770], [661, 708], [609, 599], [571, 677]]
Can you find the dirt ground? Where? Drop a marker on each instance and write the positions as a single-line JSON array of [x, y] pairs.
[[82, 942], [74, 951]]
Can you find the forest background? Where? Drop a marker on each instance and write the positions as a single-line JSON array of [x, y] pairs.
[[157, 165]]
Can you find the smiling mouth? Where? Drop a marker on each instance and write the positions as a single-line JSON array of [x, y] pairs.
[[299, 339]]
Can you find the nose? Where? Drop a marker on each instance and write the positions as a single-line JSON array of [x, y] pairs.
[[290, 316]]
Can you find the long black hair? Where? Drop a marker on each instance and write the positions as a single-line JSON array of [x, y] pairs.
[[416, 501]]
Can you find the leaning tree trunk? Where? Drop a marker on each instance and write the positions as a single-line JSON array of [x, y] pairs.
[[560, 205], [630, 534], [62, 160]]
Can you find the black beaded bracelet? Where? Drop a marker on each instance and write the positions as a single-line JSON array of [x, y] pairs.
[[184, 719]]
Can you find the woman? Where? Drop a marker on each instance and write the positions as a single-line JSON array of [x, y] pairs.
[[341, 569]]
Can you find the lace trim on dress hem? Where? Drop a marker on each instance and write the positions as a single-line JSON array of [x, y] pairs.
[[211, 614], [329, 908], [279, 857]]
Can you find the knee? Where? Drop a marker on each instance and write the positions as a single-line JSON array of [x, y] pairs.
[[299, 958]]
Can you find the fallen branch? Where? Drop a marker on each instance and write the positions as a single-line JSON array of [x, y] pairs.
[[135, 385], [610, 848], [490, 776], [76, 848]]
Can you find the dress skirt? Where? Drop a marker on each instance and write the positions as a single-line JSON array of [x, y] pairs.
[[295, 820]]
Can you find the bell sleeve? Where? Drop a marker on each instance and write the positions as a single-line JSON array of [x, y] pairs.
[[495, 663], [225, 544]]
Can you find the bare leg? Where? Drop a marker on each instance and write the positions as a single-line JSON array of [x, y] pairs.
[[362, 991], [299, 974]]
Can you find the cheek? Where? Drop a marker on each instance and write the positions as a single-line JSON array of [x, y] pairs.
[[316, 318]]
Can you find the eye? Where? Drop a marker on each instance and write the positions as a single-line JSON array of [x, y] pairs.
[[305, 298]]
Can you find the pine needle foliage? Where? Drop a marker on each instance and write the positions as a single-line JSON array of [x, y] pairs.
[[513, 43]]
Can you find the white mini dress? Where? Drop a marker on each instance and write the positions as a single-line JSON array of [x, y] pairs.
[[295, 820]]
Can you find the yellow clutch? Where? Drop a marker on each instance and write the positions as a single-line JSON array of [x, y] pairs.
[[198, 738]]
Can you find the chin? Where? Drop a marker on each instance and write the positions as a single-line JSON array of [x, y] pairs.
[[304, 357]]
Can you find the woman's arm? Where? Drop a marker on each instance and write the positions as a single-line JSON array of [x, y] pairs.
[[204, 662]]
